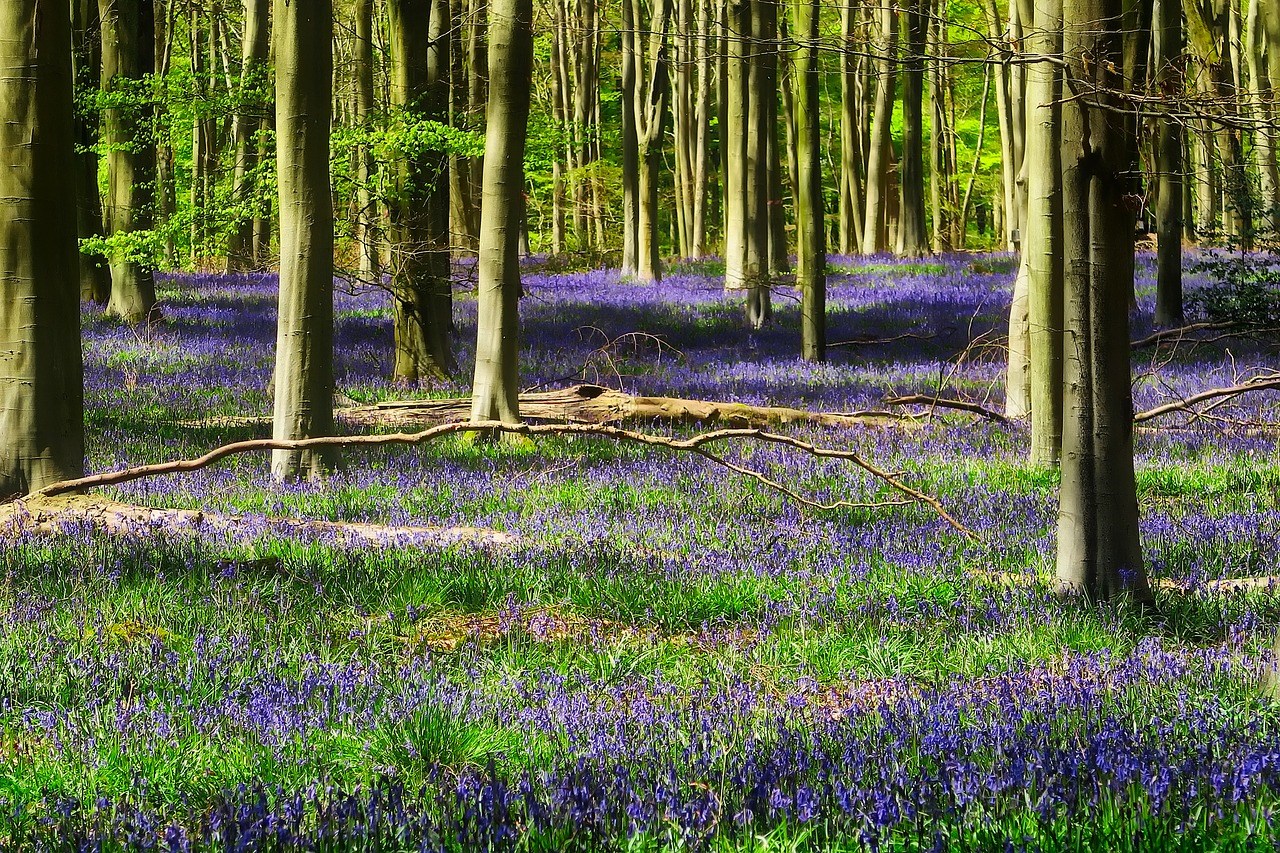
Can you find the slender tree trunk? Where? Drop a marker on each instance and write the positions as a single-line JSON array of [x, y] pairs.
[[1099, 554], [495, 391], [875, 227], [913, 236], [41, 375], [761, 89], [166, 193], [1170, 83], [851, 132], [304, 382], [366, 203], [734, 141], [95, 276], [248, 119], [1042, 250], [811, 235], [420, 259], [128, 57], [1264, 18], [646, 95]]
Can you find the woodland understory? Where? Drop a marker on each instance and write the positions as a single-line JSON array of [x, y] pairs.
[[578, 643]]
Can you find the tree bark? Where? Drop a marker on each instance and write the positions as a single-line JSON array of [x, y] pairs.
[[95, 275], [128, 57], [646, 97], [495, 392], [254, 76], [1099, 554], [304, 383], [420, 269], [1169, 165], [41, 374], [913, 237], [811, 233], [1263, 25], [875, 238], [1042, 249]]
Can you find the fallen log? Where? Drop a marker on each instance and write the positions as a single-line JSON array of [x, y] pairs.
[[67, 514], [1260, 383], [595, 404]]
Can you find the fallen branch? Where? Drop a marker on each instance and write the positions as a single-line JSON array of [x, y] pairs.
[[1177, 333], [1256, 384], [866, 342], [696, 444], [66, 514], [595, 404], [947, 403], [589, 404]]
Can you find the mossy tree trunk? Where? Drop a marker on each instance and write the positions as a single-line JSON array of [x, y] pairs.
[[95, 275], [875, 228], [254, 77], [1169, 81], [41, 396], [913, 237], [495, 391], [304, 383]]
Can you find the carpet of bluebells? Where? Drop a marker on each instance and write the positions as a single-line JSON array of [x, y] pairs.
[[666, 656]]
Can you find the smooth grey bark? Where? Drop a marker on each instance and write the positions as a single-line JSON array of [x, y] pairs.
[[95, 275], [420, 267], [646, 97], [1169, 166], [1099, 554], [762, 94], [304, 384], [365, 107], [254, 75], [733, 102], [852, 122], [1263, 27], [913, 237], [41, 374], [875, 237], [811, 232], [128, 58], [690, 119], [495, 391], [1042, 248]]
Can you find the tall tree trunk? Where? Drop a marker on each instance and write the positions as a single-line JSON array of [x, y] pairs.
[[1099, 554], [852, 122], [762, 96], [1264, 25], [875, 238], [420, 259], [913, 236], [304, 382], [646, 97], [166, 193], [495, 391], [95, 276], [1169, 166], [128, 58], [733, 103], [254, 74], [41, 374], [1042, 255], [365, 108], [811, 234]]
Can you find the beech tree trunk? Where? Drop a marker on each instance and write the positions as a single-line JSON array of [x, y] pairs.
[[304, 383], [420, 268], [1099, 554], [875, 234], [254, 77], [762, 94], [852, 124], [1042, 250], [41, 374], [1263, 28], [646, 96], [913, 236], [495, 391], [811, 233], [1169, 166], [95, 276], [128, 57]]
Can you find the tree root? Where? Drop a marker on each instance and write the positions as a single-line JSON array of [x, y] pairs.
[[67, 514]]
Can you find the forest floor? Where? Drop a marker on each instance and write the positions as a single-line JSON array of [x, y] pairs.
[[663, 654]]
